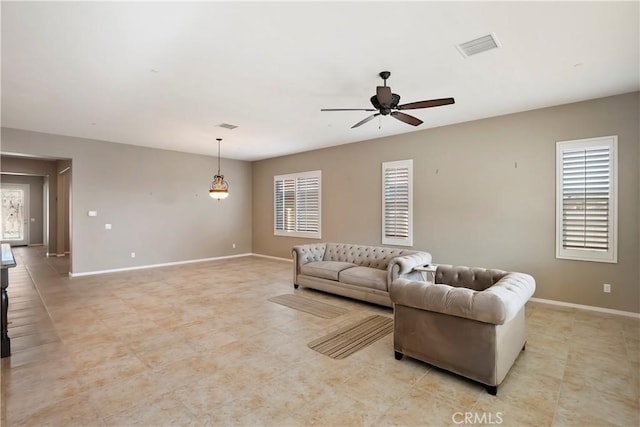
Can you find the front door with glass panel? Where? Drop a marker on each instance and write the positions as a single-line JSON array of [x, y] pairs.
[[14, 227]]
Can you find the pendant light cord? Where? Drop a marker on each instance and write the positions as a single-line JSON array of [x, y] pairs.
[[219, 139]]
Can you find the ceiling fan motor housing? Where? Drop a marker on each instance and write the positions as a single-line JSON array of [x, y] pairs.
[[385, 109]]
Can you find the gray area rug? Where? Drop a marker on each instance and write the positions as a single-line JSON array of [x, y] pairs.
[[346, 341], [308, 305]]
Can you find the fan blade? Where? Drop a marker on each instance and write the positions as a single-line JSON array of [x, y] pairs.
[[426, 104], [406, 118], [361, 122], [383, 93], [348, 109]]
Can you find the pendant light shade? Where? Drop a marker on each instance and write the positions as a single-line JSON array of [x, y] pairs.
[[219, 187]]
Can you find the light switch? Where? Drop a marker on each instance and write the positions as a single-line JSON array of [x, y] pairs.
[[107, 226], [92, 213]]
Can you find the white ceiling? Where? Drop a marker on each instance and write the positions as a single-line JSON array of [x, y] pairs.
[[167, 74]]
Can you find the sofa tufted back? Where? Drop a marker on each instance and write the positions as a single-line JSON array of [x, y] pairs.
[[477, 279], [365, 256], [310, 252]]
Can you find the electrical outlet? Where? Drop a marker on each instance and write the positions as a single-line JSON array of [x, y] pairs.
[[133, 254], [233, 246], [107, 226], [606, 288]]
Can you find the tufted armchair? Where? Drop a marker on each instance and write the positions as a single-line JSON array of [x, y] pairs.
[[356, 271], [471, 321]]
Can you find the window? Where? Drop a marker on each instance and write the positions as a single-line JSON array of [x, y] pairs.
[[297, 204], [397, 195], [586, 199]]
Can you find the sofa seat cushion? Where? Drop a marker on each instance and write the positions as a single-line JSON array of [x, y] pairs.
[[325, 269], [366, 277]]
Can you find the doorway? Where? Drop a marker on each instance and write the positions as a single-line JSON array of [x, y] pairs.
[[64, 208], [50, 200], [14, 227]]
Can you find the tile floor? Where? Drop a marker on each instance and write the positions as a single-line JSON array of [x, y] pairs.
[[199, 344]]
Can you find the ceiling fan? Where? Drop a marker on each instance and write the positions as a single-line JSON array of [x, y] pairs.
[[386, 103]]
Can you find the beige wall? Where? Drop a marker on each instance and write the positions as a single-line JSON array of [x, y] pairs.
[[156, 200], [472, 205]]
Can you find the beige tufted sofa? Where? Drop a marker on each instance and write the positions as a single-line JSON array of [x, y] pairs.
[[355, 271], [470, 322]]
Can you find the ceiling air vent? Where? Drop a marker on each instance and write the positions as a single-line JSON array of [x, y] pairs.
[[227, 126], [481, 44]]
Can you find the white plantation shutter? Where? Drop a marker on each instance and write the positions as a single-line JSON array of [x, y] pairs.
[[586, 199], [397, 193], [396, 208], [285, 204], [297, 205], [308, 204]]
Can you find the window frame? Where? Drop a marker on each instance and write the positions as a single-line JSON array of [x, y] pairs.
[[296, 232], [390, 240], [610, 255]]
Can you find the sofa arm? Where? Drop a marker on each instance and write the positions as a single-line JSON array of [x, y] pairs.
[[303, 254], [497, 305], [403, 265]]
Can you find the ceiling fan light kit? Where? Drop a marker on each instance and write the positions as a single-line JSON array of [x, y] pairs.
[[386, 103]]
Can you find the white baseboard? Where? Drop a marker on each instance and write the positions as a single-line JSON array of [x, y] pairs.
[[166, 264], [587, 307], [273, 257]]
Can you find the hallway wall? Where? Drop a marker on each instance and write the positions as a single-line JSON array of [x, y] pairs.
[[157, 202]]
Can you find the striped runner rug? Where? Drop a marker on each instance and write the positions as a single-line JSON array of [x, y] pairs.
[[308, 305], [346, 341]]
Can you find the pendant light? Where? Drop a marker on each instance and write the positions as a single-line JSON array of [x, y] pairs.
[[219, 188]]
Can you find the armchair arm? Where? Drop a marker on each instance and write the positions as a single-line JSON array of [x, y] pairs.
[[497, 304], [403, 265]]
